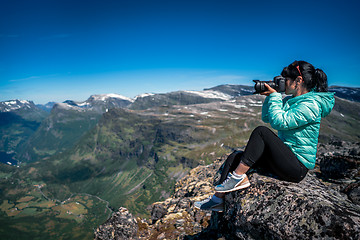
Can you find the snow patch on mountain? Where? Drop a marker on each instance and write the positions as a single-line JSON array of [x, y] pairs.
[[211, 94], [104, 97], [67, 106], [144, 95], [83, 104]]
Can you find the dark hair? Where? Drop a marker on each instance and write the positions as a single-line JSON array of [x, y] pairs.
[[314, 79]]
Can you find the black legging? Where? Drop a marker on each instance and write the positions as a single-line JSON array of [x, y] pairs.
[[266, 151]]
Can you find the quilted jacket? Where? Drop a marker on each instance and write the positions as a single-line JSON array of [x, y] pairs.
[[297, 120]]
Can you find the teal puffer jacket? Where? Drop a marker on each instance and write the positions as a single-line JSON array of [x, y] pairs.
[[297, 120]]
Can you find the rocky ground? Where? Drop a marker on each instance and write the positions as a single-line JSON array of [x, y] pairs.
[[325, 205]]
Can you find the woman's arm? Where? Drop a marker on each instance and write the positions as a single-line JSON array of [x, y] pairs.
[[265, 107], [265, 110]]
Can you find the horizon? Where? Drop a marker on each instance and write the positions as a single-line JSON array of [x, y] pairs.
[[134, 98], [69, 50]]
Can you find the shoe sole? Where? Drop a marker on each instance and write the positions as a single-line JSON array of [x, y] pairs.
[[214, 210], [242, 186]]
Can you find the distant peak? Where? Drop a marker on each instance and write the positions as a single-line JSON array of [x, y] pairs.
[[12, 105]]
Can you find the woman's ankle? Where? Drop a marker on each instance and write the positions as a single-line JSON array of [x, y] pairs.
[[217, 199], [219, 195]]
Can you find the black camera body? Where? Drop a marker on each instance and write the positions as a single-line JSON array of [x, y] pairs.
[[278, 84]]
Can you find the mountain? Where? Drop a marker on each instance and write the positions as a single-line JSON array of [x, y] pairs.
[[19, 119], [234, 90], [67, 123], [23, 108], [177, 98], [219, 93], [349, 93], [101, 103], [342, 122], [46, 107]]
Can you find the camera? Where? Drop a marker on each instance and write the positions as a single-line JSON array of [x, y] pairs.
[[278, 84]]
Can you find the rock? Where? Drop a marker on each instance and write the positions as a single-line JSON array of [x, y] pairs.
[[121, 225], [273, 209], [325, 205], [354, 195], [353, 192], [339, 167], [157, 212], [339, 148]]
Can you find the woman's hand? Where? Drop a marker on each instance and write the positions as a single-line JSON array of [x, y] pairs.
[[269, 91]]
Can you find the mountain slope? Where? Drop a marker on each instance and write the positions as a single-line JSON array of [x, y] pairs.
[[58, 132], [67, 123], [178, 98], [349, 93], [342, 123], [19, 119]]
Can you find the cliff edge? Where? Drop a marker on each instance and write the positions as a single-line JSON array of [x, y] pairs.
[[325, 205]]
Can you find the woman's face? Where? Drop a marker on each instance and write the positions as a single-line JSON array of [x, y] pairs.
[[290, 86]]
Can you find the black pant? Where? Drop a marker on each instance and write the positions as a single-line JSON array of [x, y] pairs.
[[267, 152]]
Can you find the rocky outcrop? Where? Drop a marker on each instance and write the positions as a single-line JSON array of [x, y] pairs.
[[121, 225], [273, 209], [325, 205], [175, 217], [339, 167]]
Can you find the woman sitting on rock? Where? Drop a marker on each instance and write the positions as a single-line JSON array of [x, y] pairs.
[[290, 154]]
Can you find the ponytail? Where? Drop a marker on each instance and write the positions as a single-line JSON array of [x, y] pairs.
[[321, 80]]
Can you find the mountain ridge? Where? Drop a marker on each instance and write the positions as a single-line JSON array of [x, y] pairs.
[[232, 90]]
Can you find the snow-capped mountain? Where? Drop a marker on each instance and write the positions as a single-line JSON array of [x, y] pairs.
[[13, 105], [100, 103], [22, 108], [349, 93], [219, 93]]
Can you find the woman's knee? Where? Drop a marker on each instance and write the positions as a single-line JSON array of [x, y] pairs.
[[261, 129]]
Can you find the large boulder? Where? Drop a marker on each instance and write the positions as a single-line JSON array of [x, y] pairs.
[[273, 209]]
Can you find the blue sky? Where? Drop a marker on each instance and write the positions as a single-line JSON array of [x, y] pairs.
[[54, 50]]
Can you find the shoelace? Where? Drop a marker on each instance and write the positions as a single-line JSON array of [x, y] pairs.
[[226, 180], [206, 200]]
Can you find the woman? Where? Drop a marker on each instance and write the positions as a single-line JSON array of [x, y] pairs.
[[290, 154]]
